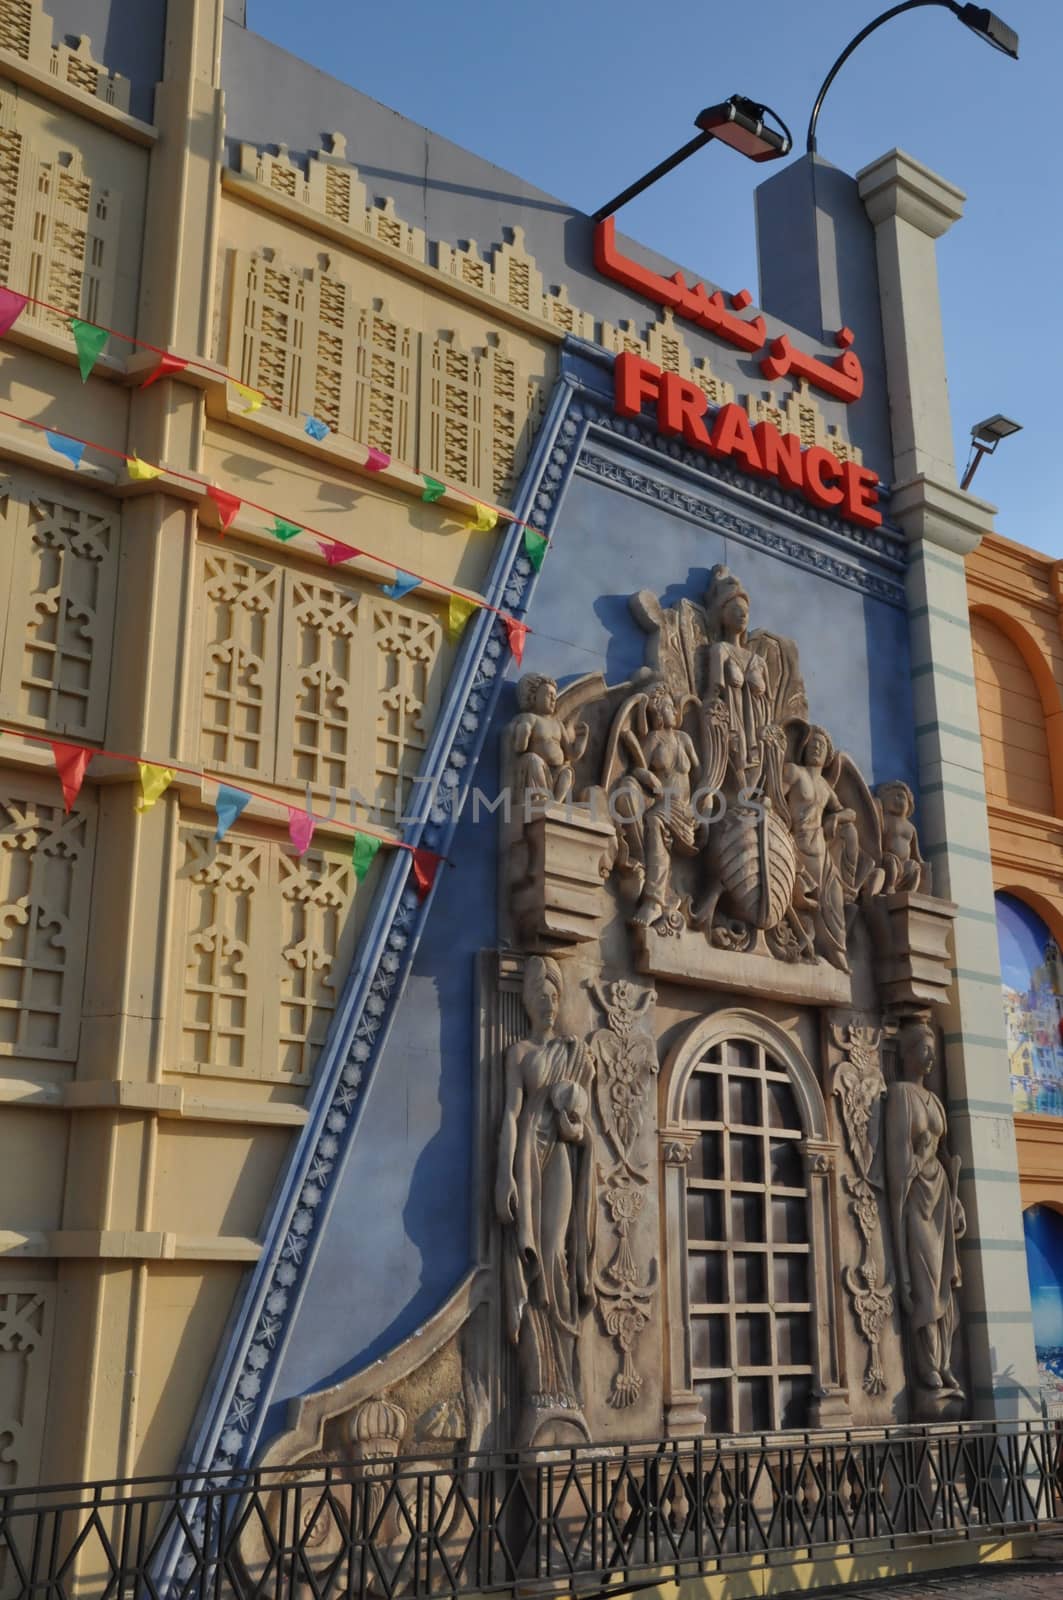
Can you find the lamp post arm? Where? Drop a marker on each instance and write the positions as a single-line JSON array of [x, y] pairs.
[[887, 16], [699, 140]]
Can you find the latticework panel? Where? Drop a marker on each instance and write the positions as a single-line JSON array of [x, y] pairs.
[[261, 931], [45, 880], [749, 1267]]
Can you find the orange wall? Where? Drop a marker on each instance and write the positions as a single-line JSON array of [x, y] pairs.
[[1016, 602]]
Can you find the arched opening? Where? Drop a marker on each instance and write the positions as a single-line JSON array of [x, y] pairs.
[[1031, 969], [1043, 1229], [1019, 716], [748, 1271]]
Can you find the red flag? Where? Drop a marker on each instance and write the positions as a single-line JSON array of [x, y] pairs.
[[70, 763], [228, 505], [335, 551], [376, 460], [166, 368], [516, 633], [300, 829], [12, 306], [425, 867]]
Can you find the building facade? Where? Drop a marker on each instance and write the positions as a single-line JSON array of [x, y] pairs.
[[1018, 653], [499, 937]]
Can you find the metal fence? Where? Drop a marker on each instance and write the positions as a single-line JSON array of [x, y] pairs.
[[555, 1521]]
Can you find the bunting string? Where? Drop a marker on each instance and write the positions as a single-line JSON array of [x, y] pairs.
[[228, 505], [485, 516], [72, 760]]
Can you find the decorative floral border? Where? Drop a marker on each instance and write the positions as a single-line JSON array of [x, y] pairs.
[[236, 1407]]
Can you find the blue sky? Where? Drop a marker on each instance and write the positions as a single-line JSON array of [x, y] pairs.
[[581, 98]]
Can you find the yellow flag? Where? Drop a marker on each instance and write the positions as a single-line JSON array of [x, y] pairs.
[[153, 782], [458, 613], [484, 520], [250, 399], [141, 471]]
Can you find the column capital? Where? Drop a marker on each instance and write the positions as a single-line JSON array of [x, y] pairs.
[[896, 185], [926, 508]]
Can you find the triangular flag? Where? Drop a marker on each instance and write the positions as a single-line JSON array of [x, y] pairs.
[[404, 582], [316, 428], [516, 633], [167, 367], [484, 520], [335, 551], [153, 782], [458, 613], [284, 530], [73, 449], [425, 867], [364, 854], [433, 489], [376, 460], [535, 547], [228, 506], [70, 763], [12, 306], [228, 803], [141, 471], [300, 829], [251, 399], [90, 341]]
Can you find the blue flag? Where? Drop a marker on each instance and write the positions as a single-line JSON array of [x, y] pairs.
[[404, 582], [316, 429], [73, 449], [228, 803]]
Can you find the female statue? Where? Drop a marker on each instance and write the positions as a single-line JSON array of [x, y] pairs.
[[546, 1201], [651, 802], [737, 675], [926, 1211]]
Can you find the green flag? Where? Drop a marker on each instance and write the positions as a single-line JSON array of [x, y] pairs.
[[90, 340], [433, 489], [365, 849], [535, 547], [284, 530]]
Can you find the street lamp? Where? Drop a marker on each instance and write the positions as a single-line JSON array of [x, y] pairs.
[[985, 436], [979, 19], [738, 122]]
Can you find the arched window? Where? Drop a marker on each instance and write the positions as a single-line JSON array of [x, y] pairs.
[[749, 1244], [1031, 968], [1043, 1228], [1011, 717]]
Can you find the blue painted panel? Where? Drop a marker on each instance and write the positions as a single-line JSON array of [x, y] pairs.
[[399, 1236], [1032, 973], [1044, 1261]]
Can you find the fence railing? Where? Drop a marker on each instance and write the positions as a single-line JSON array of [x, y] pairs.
[[552, 1521]]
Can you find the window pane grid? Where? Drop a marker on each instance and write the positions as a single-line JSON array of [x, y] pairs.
[[748, 1249]]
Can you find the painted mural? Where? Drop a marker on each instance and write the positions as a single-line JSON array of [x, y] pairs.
[[1044, 1260], [1031, 967]]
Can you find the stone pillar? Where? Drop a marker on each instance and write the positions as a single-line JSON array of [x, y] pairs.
[[910, 208]]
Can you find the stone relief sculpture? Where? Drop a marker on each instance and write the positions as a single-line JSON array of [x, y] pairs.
[[546, 1201], [927, 1215], [902, 865], [545, 747]]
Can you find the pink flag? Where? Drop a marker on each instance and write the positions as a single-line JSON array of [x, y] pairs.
[[335, 551], [376, 460], [228, 505], [425, 867], [12, 306], [166, 368], [70, 763], [516, 633], [300, 829]]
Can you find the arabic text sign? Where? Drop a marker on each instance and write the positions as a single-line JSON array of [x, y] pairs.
[[815, 473]]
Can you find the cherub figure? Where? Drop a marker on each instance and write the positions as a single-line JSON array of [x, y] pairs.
[[545, 748], [903, 866]]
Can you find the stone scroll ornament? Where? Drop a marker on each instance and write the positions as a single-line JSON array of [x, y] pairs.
[[860, 1087], [626, 1060]]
